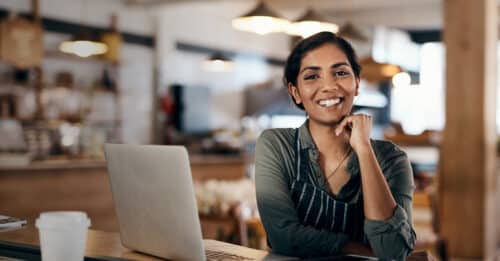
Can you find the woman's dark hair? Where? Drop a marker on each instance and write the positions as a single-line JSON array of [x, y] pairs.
[[310, 43]]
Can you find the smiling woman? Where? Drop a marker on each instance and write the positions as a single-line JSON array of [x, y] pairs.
[[326, 188], [338, 82]]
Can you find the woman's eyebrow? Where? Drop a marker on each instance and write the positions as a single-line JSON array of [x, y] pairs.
[[310, 68], [336, 65]]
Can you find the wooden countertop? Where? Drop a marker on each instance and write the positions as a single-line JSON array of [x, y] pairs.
[[60, 164], [108, 244], [219, 159], [66, 164]]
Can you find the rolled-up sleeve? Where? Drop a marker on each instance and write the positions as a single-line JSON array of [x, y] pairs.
[[285, 234], [395, 238]]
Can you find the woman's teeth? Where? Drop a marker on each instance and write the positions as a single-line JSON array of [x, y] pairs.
[[330, 102]]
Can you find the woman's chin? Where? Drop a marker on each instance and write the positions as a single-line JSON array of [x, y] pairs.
[[331, 121]]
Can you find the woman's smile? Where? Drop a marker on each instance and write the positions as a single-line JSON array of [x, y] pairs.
[[333, 102]]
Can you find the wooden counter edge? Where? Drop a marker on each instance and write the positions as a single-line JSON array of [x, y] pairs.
[[108, 244]]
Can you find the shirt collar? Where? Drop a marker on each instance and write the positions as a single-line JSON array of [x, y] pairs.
[[306, 140]]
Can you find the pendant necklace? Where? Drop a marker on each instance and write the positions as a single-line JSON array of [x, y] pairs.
[[340, 164]]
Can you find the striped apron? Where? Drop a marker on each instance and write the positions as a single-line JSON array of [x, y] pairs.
[[317, 208]]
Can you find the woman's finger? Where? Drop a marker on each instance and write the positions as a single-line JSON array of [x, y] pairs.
[[342, 125]]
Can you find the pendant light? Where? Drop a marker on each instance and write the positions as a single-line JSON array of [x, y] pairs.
[[350, 31], [218, 62], [310, 23], [261, 20], [83, 45], [377, 72]]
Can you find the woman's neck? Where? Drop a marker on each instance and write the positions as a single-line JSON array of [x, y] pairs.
[[326, 141]]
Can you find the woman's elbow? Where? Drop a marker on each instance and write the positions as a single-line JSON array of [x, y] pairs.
[[284, 244], [394, 247]]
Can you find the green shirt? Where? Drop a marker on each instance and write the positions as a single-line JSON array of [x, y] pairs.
[[275, 159]]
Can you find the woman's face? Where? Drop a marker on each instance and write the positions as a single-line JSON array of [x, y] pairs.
[[326, 85]]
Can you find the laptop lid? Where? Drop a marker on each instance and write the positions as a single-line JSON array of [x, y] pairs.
[[154, 200]]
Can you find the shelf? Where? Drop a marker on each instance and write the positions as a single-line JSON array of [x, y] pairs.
[[90, 97], [103, 123], [14, 88], [53, 54]]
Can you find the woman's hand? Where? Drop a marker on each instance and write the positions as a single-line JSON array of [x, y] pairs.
[[358, 128]]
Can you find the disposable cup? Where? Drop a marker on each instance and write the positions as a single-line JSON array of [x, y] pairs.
[[63, 235]]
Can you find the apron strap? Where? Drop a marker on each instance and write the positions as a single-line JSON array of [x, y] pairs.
[[297, 153]]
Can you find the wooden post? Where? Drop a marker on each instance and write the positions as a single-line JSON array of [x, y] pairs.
[[38, 82], [35, 9], [467, 176]]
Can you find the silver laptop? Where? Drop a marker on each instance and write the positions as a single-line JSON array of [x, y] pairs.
[[154, 201]]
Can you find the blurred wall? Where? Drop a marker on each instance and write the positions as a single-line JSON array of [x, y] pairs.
[[136, 69], [209, 25]]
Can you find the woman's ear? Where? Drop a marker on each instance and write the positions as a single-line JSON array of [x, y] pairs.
[[294, 92]]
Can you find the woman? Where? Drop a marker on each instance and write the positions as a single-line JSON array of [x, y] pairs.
[[326, 188]]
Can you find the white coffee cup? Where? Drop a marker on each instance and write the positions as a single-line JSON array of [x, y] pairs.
[[63, 235]]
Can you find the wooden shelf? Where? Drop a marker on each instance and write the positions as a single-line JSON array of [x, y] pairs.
[[54, 54]]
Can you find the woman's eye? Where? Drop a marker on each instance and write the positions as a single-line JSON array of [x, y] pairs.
[[341, 73], [310, 77]]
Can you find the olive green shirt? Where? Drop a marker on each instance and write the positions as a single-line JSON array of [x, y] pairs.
[[275, 161]]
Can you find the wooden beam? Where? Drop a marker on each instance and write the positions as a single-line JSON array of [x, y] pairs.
[[467, 176], [73, 28]]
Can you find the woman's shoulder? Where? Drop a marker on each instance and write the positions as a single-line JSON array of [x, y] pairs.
[[275, 147], [277, 135], [386, 149], [278, 142]]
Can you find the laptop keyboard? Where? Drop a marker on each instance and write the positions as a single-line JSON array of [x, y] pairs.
[[219, 256]]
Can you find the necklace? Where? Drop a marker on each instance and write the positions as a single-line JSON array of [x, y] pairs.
[[340, 164]]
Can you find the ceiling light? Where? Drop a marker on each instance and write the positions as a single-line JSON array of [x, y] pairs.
[[260, 20], [401, 79], [377, 72], [310, 23], [83, 45], [218, 62], [350, 31]]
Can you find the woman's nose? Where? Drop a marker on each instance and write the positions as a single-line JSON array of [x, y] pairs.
[[329, 83]]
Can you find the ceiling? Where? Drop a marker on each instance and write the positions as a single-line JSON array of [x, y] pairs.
[[409, 14], [325, 5]]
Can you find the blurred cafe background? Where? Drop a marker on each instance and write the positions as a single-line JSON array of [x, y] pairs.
[[206, 74]]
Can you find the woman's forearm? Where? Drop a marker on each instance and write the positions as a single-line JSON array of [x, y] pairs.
[[379, 204]]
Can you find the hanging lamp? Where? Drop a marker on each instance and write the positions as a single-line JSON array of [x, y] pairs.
[[83, 45], [310, 23], [350, 31], [261, 20], [218, 62], [377, 72]]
